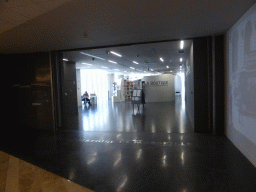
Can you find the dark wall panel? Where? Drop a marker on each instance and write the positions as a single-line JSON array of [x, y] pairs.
[[31, 90], [219, 84], [69, 89], [202, 84]]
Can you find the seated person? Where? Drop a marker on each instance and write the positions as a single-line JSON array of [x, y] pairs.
[[86, 98]]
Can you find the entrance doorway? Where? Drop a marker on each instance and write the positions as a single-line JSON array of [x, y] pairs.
[[111, 76]]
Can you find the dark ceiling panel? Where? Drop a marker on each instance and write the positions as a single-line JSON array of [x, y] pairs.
[[111, 22]]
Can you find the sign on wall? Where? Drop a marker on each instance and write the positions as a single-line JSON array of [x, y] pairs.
[[156, 83]]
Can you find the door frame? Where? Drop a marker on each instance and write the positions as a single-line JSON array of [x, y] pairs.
[[204, 62]]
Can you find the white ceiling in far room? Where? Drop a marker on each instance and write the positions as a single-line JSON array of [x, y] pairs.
[[153, 58]]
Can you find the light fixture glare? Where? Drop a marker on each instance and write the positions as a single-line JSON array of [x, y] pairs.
[[112, 61], [182, 44], [92, 56], [114, 53], [86, 64]]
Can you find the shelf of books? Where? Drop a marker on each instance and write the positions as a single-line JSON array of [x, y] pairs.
[[128, 88]]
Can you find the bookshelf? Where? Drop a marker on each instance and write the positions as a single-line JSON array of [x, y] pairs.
[[138, 95], [137, 85], [128, 88]]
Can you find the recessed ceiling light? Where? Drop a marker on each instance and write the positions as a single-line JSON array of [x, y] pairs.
[[92, 56], [135, 62], [151, 69], [132, 67], [181, 59], [65, 60], [182, 44], [86, 64], [112, 61], [104, 67], [167, 67], [114, 53], [161, 59]]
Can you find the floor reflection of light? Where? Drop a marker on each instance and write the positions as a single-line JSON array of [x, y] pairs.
[[118, 160], [128, 127], [139, 153], [182, 128], [169, 129], [164, 159], [72, 174], [92, 158], [182, 158], [119, 129], [103, 118], [96, 117], [123, 183], [91, 124], [121, 122], [153, 128], [85, 124]]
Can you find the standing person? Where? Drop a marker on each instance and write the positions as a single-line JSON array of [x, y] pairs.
[[86, 96]]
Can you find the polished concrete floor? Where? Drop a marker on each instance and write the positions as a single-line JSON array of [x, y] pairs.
[[165, 117], [138, 157]]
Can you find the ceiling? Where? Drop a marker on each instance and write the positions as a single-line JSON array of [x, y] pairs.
[[146, 56], [16, 12], [47, 25]]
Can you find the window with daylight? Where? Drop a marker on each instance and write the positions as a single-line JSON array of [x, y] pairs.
[[95, 81]]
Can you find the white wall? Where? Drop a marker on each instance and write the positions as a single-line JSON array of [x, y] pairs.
[[177, 84], [154, 93], [111, 80], [78, 84], [241, 84], [189, 85]]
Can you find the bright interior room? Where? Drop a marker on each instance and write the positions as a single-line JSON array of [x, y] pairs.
[[133, 88], [129, 96]]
